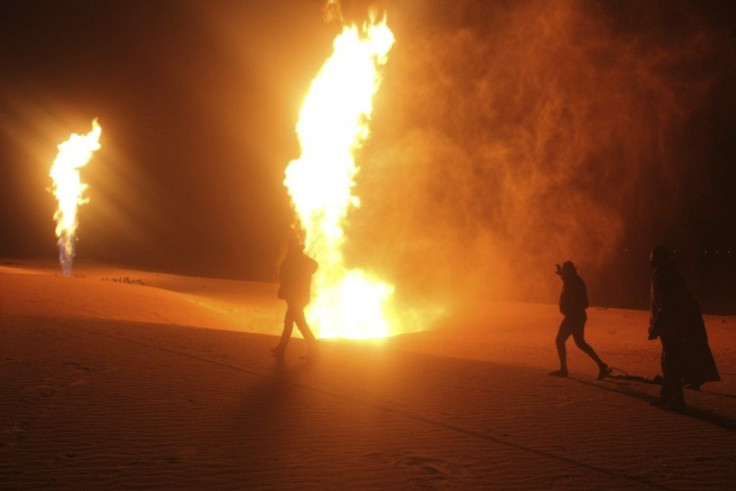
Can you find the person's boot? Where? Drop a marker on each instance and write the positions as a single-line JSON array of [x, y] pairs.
[[604, 371], [312, 353], [562, 372], [278, 351], [677, 401], [665, 394]]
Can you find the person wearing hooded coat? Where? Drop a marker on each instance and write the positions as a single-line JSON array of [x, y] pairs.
[[677, 321]]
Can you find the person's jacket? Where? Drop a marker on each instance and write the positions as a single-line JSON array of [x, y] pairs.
[[574, 296], [676, 318], [673, 308], [295, 276]]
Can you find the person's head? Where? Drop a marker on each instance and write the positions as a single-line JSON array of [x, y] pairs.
[[294, 246], [660, 256], [567, 270]]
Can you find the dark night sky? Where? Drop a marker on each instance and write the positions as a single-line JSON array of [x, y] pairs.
[[197, 101], [507, 136]]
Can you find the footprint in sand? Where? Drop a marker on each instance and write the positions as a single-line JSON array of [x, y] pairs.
[[79, 366], [434, 469], [40, 390]]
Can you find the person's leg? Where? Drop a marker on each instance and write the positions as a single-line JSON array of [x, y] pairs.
[[672, 392], [280, 349], [665, 393], [578, 335], [562, 334], [301, 324]]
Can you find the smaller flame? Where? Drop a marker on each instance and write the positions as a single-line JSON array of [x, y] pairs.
[[68, 189]]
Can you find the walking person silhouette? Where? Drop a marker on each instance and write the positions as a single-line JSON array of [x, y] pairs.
[[573, 302], [295, 279]]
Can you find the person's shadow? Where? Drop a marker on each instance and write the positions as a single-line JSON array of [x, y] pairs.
[[271, 414], [719, 419]]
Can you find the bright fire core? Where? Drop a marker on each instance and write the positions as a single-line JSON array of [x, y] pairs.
[[68, 189], [333, 125]]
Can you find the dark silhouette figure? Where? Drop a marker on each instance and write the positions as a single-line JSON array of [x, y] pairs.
[[676, 319], [573, 302], [295, 276]]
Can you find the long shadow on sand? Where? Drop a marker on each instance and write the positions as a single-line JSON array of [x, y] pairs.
[[708, 416], [258, 414]]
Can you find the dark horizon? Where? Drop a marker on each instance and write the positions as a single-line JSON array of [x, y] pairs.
[[507, 136]]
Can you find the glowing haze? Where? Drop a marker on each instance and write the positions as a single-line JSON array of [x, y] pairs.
[[68, 189], [333, 125], [521, 134]]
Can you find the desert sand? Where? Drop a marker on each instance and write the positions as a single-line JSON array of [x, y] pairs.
[[114, 378]]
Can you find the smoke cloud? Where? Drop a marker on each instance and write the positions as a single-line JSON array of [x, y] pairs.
[[510, 136]]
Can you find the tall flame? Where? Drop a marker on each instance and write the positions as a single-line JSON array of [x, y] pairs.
[[68, 188], [333, 125]]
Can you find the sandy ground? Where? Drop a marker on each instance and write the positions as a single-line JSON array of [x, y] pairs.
[[115, 378]]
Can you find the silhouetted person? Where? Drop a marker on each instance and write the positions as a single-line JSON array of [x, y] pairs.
[[295, 276], [573, 302], [677, 321]]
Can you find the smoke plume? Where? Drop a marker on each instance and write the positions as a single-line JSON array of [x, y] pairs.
[[510, 136]]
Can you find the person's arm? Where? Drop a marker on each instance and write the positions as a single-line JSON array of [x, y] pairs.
[[658, 308]]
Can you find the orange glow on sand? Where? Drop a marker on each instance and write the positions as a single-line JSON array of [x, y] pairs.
[[333, 125], [68, 189]]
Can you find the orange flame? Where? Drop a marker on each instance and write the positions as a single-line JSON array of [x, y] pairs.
[[68, 188], [333, 125]]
